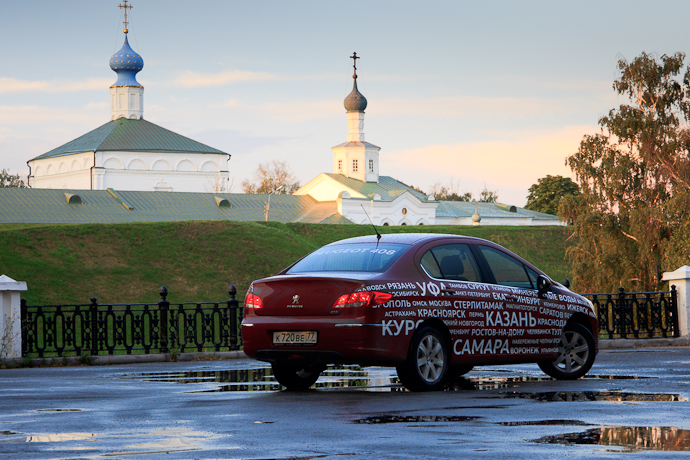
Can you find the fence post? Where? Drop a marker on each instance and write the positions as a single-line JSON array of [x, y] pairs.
[[622, 313], [93, 311], [681, 279], [10, 317], [163, 306], [232, 311]]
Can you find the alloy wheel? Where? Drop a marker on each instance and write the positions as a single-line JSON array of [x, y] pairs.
[[430, 358]]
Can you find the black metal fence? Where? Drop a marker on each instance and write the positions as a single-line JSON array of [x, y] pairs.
[[637, 314], [93, 329]]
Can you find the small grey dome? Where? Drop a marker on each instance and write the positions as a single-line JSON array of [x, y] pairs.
[[355, 101], [476, 218]]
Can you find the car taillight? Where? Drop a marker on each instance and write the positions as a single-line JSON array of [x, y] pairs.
[[252, 301], [362, 299]]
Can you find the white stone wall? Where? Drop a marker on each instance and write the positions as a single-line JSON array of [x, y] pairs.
[[323, 188], [135, 171], [362, 154], [63, 172], [405, 210], [127, 102]]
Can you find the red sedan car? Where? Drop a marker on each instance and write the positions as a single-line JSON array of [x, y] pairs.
[[431, 305]]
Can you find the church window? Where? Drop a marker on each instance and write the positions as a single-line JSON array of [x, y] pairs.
[[371, 165], [340, 165], [354, 165]]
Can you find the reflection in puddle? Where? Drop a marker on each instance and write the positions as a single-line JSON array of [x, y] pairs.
[[339, 376], [546, 423], [380, 419], [631, 438], [61, 437], [584, 396], [59, 410]]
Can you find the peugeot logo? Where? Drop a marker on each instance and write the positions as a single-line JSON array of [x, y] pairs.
[[295, 299]]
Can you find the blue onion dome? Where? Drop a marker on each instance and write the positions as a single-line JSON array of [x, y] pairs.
[[126, 63], [355, 101]]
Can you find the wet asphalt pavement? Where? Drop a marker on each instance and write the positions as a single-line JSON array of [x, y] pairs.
[[634, 403]]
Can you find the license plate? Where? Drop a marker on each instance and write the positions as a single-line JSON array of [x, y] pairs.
[[294, 338]]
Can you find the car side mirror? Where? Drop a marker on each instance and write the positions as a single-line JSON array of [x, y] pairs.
[[543, 284], [566, 283]]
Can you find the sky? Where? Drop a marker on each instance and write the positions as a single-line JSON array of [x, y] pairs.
[[491, 94]]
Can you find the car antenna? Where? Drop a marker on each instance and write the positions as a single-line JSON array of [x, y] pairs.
[[378, 235]]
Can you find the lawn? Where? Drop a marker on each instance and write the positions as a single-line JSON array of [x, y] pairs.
[[197, 261]]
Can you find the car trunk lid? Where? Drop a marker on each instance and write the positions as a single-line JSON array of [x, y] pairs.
[[301, 296]]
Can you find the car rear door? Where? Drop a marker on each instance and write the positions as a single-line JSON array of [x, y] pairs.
[[466, 300]]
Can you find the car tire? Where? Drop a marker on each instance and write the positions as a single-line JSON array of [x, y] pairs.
[[296, 377], [427, 363], [576, 354]]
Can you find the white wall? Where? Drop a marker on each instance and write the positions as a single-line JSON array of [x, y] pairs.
[[135, 171]]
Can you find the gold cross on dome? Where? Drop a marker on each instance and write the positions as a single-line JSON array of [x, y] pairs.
[[125, 7]]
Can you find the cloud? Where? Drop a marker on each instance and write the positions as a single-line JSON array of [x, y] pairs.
[[190, 79], [470, 106], [510, 167], [14, 85], [30, 115]]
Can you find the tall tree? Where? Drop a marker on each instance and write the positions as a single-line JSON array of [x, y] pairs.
[[634, 179], [450, 193], [274, 177], [547, 193], [10, 180]]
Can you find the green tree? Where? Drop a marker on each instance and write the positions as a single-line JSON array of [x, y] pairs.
[[488, 196], [634, 179], [449, 193], [10, 180], [547, 193], [274, 177]]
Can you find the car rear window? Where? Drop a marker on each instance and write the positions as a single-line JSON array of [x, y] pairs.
[[362, 257]]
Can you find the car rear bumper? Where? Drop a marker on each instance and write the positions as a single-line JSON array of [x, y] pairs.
[[340, 341]]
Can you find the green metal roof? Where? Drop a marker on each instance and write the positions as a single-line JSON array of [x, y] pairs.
[[130, 135], [467, 208], [387, 187], [49, 206]]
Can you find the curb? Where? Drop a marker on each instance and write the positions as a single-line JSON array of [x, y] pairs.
[[617, 344], [131, 359]]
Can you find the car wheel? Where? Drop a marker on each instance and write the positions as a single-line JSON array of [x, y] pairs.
[[427, 362], [576, 354], [296, 377]]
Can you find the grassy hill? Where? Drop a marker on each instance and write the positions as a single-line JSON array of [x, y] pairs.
[[197, 261]]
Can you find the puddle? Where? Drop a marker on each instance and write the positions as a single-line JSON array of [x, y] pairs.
[[584, 396], [381, 419], [382, 379], [261, 379], [61, 437], [630, 438], [546, 423]]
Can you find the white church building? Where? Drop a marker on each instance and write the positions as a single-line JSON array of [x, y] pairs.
[[131, 154], [364, 196], [128, 152]]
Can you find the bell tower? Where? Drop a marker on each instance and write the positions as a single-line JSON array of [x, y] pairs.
[[126, 94], [356, 158]]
